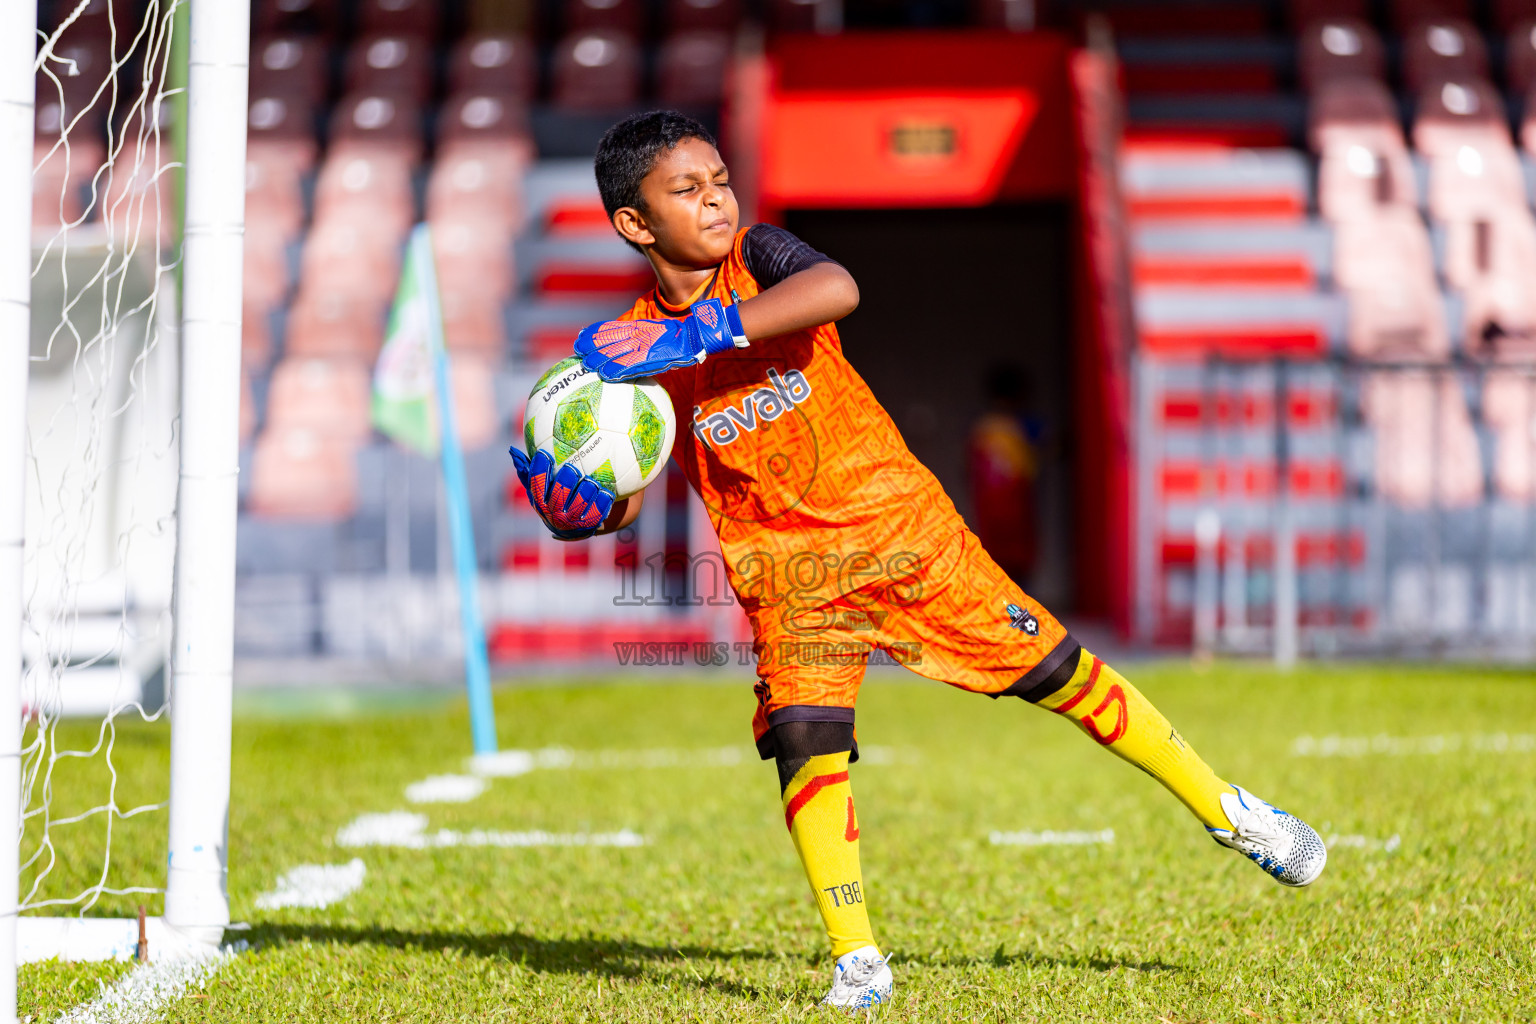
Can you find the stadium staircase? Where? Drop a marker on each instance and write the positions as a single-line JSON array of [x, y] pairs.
[[1335, 313]]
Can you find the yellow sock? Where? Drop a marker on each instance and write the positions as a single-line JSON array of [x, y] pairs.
[[1117, 716], [818, 808]]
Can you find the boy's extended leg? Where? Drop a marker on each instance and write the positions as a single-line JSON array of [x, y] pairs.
[[1117, 716], [812, 759]]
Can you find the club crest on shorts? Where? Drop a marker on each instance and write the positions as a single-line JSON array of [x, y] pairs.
[[1020, 618]]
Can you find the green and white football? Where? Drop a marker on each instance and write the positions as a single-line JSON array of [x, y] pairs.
[[619, 434]]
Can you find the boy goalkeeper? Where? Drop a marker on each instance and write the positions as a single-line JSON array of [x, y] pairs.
[[838, 541]]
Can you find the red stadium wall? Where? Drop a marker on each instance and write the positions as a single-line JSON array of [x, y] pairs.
[[895, 120]]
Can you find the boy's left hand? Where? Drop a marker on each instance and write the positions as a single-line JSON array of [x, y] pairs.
[[626, 349], [572, 504]]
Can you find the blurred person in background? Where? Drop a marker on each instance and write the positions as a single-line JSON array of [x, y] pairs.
[[1002, 456]]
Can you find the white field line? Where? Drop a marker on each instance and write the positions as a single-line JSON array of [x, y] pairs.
[[445, 789], [141, 995], [1402, 746], [1334, 840], [1051, 838], [315, 885], [508, 763], [408, 830]]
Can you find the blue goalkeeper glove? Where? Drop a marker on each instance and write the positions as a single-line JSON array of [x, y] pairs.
[[572, 504], [626, 349]]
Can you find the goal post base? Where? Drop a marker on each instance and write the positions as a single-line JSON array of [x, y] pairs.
[[95, 939]]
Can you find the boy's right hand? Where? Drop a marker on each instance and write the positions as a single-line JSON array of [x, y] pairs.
[[572, 504], [626, 349]]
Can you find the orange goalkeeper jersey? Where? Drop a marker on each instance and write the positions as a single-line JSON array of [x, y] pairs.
[[810, 487]]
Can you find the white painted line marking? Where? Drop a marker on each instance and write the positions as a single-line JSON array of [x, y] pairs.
[[408, 830], [1400, 746], [141, 995], [1363, 842], [315, 886], [445, 789], [1051, 838]]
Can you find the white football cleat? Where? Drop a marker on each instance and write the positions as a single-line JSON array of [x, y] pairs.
[[1282, 844], [862, 980]]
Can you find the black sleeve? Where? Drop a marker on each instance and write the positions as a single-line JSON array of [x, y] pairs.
[[772, 254]]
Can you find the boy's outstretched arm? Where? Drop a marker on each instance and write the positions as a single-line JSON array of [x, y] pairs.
[[821, 294]]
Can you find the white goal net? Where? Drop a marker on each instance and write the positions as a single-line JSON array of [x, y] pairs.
[[101, 448]]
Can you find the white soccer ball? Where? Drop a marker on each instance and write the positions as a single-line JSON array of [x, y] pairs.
[[619, 434]]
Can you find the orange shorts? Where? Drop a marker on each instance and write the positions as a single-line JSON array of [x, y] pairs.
[[958, 619]]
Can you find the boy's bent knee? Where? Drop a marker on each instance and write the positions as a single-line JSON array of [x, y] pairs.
[[794, 743]]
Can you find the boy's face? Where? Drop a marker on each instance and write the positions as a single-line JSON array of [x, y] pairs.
[[690, 211]]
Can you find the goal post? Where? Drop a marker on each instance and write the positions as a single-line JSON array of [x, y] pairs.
[[202, 658], [18, 44]]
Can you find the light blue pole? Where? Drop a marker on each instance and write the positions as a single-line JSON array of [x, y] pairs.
[[477, 668]]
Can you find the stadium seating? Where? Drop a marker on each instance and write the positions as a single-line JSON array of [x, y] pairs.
[[390, 64], [692, 68], [696, 15], [495, 63], [596, 70], [622, 16], [1339, 48], [1442, 49], [293, 66]]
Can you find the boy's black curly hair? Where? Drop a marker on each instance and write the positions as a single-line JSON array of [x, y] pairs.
[[629, 150]]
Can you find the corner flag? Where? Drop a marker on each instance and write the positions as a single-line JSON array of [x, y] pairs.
[[413, 403]]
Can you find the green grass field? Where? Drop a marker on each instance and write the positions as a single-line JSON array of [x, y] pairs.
[[711, 919]]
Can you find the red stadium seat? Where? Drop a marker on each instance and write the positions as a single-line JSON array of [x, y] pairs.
[[1480, 177], [273, 196], [626, 16], [331, 397], [1407, 13], [61, 181], [265, 267], [368, 187], [1450, 111], [299, 474], [97, 20], [347, 258], [1508, 14], [474, 256], [805, 15], [596, 70], [247, 426], [335, 325], [1520, 58], [684, 15], [485, 118], [472, 377], [1334, 48], [693, 67], [280, 135], [390, 64], [1442, 49], [1362, 172], [418, 18], [1426, 446], [1492, 261], [500, 64], [1386, 267], [473, 323], [518, 17], [290, 65], [255, 338], [1009, 15], [1509, 408], [477, 183], [300, 17], [377, 124], [89, 58], [1301, 13]]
